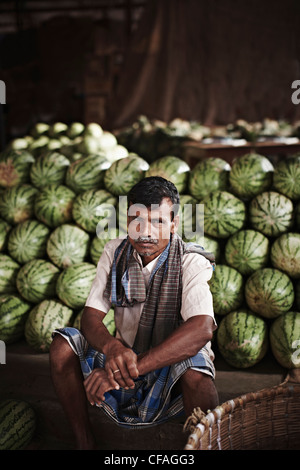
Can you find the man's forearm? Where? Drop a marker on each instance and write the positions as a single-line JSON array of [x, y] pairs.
[[183, 343], [94, 329]]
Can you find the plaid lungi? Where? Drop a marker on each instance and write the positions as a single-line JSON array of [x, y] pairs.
[[151, 401]]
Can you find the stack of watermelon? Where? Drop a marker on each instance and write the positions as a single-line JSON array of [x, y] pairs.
[[61, 184], [59, 188]]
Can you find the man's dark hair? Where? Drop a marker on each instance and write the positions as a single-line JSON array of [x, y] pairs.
[[152, 190]]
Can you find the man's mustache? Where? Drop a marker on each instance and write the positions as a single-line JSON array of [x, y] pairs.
[[146, 240]]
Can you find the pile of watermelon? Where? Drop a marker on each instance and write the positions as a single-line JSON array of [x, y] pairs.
[[62, 185]]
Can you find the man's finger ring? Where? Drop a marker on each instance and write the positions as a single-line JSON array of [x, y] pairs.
[[117, 370]]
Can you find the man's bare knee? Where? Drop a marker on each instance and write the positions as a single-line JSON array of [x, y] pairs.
[[60, 353]]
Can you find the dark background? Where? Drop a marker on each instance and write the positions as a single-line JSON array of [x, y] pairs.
[[110, 60]]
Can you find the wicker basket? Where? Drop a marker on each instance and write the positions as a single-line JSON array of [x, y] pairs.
[[267, 419]]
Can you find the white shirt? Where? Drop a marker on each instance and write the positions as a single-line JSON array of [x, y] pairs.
[[196, 295]]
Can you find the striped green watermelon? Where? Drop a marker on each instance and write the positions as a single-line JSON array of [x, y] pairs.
[[269, 292], [287, 177], [224, 214], [191, 217], [13, 314], [5, 227], [87, 173], [74, 284], [94, 207], [247, 251], [271, 213], [17, 424], [171, 168], [210, 244], [285, 254], [250, 175], [8, 274], [67, 245], [49, 168], [109, 321], [53, 205], [42, 320], [124, 173], [17, 203], [98, 244], [297, 217], [28, 240], [242, 338], [227, 288], [15, 167], [211, 174], [297, 294], [36, 280], [285, 339]]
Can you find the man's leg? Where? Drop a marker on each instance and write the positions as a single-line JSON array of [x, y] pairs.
[[198, 389], [68, 383]]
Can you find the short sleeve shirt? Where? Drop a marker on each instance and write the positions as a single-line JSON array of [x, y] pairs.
[[196, 294]]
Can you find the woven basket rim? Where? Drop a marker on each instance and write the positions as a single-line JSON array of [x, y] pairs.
[[199, 423]]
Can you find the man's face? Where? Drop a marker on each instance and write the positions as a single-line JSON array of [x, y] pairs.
[[150, 228]]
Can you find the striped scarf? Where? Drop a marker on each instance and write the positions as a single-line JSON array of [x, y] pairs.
[[162, 300]]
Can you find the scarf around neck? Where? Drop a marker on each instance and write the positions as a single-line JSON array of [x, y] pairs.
[[162, 299]]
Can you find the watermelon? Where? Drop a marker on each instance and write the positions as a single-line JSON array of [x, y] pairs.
[[172, 169], [250, 175], [116, 153], [53, 205], [242, 338], [74, 284], [285, 339], [13, 314], [17, 424], [42, 320], [227, 288], [98, 244], [57, 128], [269, 292], [94, 129], [287, 177], [210, 244], [67, 244], [15, 167], [28, 240], [4, 231], [285, 254], [49, 168], [191, 217], [75, 129], [17, 203], [271, 213], [211, 174], [94, 207], [38, 146], [87, 173], [8, 274], [109, 321], [247, 251], [39, 129], [224, 214], [297, 294], [124, 173], [36, 280]]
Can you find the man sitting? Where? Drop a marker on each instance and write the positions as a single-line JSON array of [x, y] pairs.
[[160, 362]]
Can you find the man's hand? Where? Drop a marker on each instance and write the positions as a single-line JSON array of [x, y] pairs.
[[120, 364], [96, 385]]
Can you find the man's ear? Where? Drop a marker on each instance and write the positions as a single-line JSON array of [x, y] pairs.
[[175, 224]]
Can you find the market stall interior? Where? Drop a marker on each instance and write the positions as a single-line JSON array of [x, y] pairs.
[[97, 94]]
